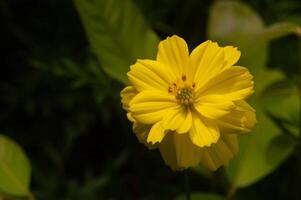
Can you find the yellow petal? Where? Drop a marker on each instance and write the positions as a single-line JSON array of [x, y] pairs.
[[188, 154], [203, 132], [221, 153], [207, 60], [149, 107], [149, 75], [179, 120], [179, 152], [249, 119], [198, 53], [234, 83], [231, 55], [130, 117], [213, 106], [141, 131], [173, 53], [156, 134], [127, 95], [186, 125], [240, 120], [168, 151]]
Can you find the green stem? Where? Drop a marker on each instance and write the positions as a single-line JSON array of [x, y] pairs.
[[187, 186], [231, 193], [281, 29], [299, 82], [298, 149]]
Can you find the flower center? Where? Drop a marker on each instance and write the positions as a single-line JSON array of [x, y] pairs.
[[183, 91], [185, 95]]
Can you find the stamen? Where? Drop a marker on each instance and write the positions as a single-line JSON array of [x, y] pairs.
[[183, 91], [185, 95], [173, 88]]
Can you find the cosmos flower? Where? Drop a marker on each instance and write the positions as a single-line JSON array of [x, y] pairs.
[[190, 106]]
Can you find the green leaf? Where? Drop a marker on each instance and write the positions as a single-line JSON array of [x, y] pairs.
[[200, 196], [252, 164], [281, 99], [15, 169], [234, 23], [118, 34], [281, 146], [281, 29]]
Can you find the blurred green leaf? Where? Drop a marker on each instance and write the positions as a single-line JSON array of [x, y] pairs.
[[200, 196], [282, 100], [250, 165], [280, 29], [15, 169], [233, 23], [117, 33], [280, 146]]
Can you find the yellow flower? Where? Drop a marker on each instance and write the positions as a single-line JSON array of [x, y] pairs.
[[190, 106]]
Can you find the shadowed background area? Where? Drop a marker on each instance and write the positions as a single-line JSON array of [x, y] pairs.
[[64, 63]]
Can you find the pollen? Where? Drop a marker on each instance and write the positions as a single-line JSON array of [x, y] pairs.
[[185, 95]]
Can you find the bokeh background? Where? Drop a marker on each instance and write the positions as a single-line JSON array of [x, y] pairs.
[[63, 64]]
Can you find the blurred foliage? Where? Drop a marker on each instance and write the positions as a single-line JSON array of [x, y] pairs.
[[231, 22], [62, 70], [118, 34], [199, 196], [283, 96], [14, 169]]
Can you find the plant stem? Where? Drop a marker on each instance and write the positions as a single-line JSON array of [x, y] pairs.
[[231, 193], [299, 80], [187, 186], [299, 95]]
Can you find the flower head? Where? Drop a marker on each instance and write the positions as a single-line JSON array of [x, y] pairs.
[[190, 106]]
